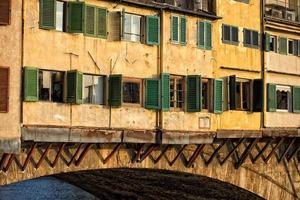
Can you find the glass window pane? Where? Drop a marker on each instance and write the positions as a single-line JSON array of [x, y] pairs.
[[99, 94], [255, 38], [44, 85], [57, 86], [282, 100], [246, 95], [235, 34], [59, 15], [131, 92], [132, 29], [247, 37], [88, 89], [226, 33]]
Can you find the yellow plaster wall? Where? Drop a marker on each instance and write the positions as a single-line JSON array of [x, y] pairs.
[[10, 56]]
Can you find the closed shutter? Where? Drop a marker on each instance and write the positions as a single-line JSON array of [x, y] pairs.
[[257, 95], [295, 47], [114, 26], [31, 82], [208, 38], [298, 47], [201, 35], [153, 30], [165, 92], [4, 88], [90, 20], [232, 91], [296, 99], [267, 42], [272, 97], [218, 96], [75, 17], [5, 12], [152, 94], [282, 45], [102, 23], [175, 29], [47, 14], [74, 87], [115, 90], [182, 30], [193, 93]]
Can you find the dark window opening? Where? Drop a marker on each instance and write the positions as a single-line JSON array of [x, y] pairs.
[[230, 34], [273, 43], [291, 46], [205, 93], [131, 92], [283, 97], [177, 92], [51, 86], [242, 95], [251, 38]]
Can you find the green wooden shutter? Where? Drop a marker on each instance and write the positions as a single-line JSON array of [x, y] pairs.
[[296, 99], [267, 42], [115, 90], [282, 45], [47, 14], [232, 91], [152, 94], [175, 29], [102, 23], [208, 37], [153, 30], [182, 30], [90, 20], [201, 34], [218, 96], [193, 93], [272, 97], [165, 92], [74, 87], [75, 17], [200, 93], [31, 84], [298, 47]]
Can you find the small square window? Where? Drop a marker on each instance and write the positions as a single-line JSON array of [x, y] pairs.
[[177, 92], [283, 94], [242, 94], [132, 91]]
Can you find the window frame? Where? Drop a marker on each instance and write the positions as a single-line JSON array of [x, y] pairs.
[[289, 98], [178, 41], [288, 46], [176, 78], [209, 93], [141, 28], [275, 38], [64, 16], [251, 45], [104, 88], [241, 81], [141, 91], [230, 41]]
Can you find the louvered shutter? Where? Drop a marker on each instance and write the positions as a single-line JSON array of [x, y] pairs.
[[201, 35], [267, 42], [4, 88], [296, 99], [153, 30], [5, 12], [272, 97], [182, 30], [102, 23], [208, 37], [165, 92], [47, 14], [75, 17], [175, 29], [232, 91], [90, 20], [218, 96], [114, 26], [31, 82], [282, 45], [193, 93], [152, 94], [74, 87], [115, 90]]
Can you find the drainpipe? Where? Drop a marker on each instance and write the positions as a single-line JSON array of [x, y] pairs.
[[160, 64], [262, 28], [22, 65]]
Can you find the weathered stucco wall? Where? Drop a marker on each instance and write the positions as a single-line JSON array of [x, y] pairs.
[[10, 56]]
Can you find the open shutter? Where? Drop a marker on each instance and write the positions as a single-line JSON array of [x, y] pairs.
[[75, 17], [47, 14], [295, 42], [218, 96], [257, 95], [152, 94], [193, 93], [90, 20], [115, 90], [296, 99], [298, 47], [114, 26], [182, 30], [208, 38], [175, 29], [153, 30], [74, 87], [31, 82], [165, 92], [282, 45], [102, 23], [232, 90], [5, 12], [4, 88], [272, 97], [201, 35]]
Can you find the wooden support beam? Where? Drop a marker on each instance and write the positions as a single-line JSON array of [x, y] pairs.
[[246, 153], [29, 156], [195, 155], [83, 154], [162, 153], [266, 160], [178, 155], [4, 158], [112, 153], [43, 156], [151, 148], [6, 168], [261, 151], [232, 150], [286, 150], [292, 154], [53, 164], [75, 154], [138, 154], [215, 152]]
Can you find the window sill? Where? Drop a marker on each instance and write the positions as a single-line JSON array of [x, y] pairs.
[[136, 105], [230, 43], [281, 110]]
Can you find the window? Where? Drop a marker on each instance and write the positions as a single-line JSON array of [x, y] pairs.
[[4, 89], [132, 27], [51, 85], [282, 45], [205, 94], [60, 16], [176, 92], [230, 34], [132, 91], [178, 29], [93, 89], [251, 38], [290, 47], [242, 95], [273, 43], [204, 35], [239, 93], [5, 12], [283, 95], [243, 1]]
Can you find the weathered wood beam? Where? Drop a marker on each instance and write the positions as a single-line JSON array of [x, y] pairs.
[[83, 154], [232, 150], [117, 147], [43, 156], [178, 155], [75, 154], [286, 150], [162, 153], [53, 164], [195, 155], [215, 152], [138, 154], [151, 148], [266, 160], [246, 153], [29, 156]]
